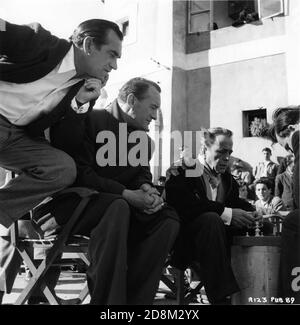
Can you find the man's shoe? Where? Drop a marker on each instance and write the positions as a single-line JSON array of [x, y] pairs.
[[187, 292]]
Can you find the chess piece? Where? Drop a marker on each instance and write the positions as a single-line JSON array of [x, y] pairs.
[[257, 231]]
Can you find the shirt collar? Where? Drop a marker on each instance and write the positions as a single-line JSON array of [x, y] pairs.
[[67, 63]]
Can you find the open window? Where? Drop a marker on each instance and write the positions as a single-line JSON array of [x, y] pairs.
[[254, 121], [270, 8], [207, 15]]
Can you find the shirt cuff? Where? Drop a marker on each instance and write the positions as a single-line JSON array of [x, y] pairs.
[[81, 109], [226, 216]]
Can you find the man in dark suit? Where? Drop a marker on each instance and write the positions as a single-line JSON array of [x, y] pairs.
[[285, 131], [113, 158], [206, 197]]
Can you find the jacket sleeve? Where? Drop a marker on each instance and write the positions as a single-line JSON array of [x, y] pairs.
[[75, 136], [145, 175], [87, 175], [277, 204], [61, 116], [278, 186], [28, 52], [187, 200]]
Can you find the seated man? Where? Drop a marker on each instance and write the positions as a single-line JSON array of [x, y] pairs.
[[108, 160], [266, 203], [206, 196], [283, 183]]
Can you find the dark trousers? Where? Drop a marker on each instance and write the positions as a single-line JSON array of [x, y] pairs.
[[127, 253], [42, 169], [205, 241], [289, 276]]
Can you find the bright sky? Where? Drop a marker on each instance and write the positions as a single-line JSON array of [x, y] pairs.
[[61, 17]]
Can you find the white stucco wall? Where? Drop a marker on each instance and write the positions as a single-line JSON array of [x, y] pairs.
[[148, 54]]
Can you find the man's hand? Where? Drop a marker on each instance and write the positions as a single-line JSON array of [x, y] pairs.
[[139, 199], [149, 189], [158, 202], [89, 91], [241, 218]]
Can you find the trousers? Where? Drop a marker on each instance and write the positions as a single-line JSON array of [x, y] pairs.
[[289, 271], [126, 253], [42, 170]]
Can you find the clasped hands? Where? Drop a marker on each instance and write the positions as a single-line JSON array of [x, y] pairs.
[[146, 198]]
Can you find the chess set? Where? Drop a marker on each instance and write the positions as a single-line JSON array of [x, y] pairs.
[[275, 219]]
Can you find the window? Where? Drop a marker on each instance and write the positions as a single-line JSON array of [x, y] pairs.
[[270, 8], [254, 121], [206, 15], [199, 15]]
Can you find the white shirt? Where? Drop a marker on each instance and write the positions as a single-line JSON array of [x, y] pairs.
[[23, 103]]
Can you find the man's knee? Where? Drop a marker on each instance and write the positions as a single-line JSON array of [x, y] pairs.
[[62, 171], [118, 213], [171, 226], [211, 220], [68, 170]]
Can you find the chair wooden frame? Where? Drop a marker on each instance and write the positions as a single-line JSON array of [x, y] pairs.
[[57, 246], [176, 285]]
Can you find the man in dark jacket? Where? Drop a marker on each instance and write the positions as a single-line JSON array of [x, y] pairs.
[[40, 77], [285, 131], [114, 158], [206, 196]]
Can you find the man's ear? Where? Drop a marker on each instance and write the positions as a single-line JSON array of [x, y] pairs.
[[88, 45], [131, 100]]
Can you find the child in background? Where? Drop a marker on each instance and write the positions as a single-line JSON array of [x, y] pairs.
[[266, 203]]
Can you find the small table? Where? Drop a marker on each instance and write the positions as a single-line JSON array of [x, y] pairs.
[[255, 263]]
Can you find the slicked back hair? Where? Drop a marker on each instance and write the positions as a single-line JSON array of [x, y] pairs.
[[138, 87], [96, 28], [211, 134]]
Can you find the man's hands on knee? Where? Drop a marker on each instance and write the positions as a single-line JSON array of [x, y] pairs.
[[89, 91], [138, 198], [242, 218], [158, 201]]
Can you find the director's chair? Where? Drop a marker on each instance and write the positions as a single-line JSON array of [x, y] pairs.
[[55, 246], [174, 279]]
